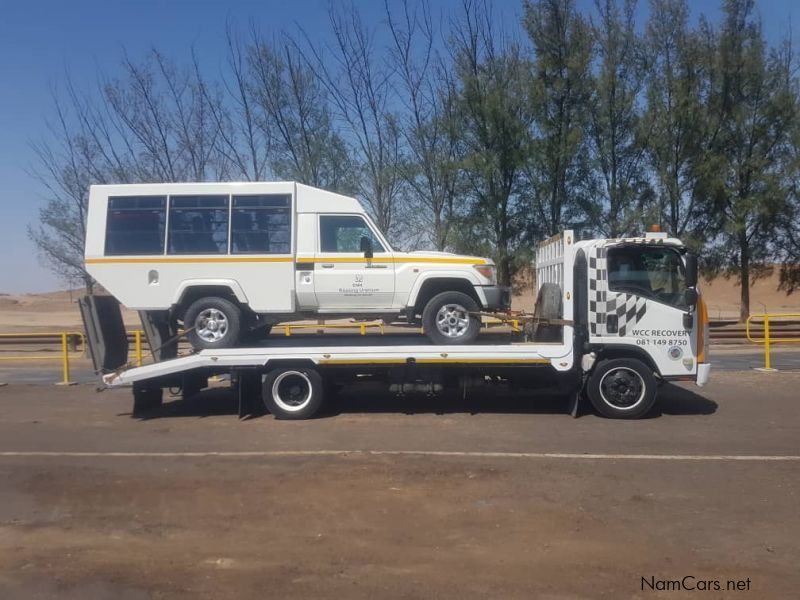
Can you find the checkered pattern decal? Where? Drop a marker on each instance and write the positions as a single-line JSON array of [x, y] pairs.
[[627, 308]]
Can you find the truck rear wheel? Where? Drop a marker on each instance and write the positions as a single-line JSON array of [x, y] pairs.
[[449, 318], [622, 388], [213, 323], [292, 393]]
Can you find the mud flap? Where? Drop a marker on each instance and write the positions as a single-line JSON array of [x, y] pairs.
[[247, 383], [578, 396]]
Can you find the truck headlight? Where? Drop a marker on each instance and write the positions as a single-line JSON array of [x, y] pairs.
[[487, 272]]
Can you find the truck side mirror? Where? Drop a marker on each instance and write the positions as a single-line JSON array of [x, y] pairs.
[[691, 271], [690, 297], [366, 246]]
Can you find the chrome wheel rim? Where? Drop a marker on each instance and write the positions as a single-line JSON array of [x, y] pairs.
[[623, 388], [292, 390], [211, 325], [452, 320]]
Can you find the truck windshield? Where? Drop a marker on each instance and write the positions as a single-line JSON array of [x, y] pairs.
[[650, 272]]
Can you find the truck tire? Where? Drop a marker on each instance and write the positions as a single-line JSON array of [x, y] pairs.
[[622, 388], [548, 306], [291, 393], [448, 318], [214, 322]]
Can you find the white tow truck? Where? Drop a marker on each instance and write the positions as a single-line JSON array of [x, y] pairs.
[[614, 319]]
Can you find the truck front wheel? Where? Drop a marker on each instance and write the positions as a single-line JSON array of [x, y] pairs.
[[449, 318], [212, 323], [622, 388]]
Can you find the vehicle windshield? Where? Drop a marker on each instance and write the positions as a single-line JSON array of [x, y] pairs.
[[650, 272]]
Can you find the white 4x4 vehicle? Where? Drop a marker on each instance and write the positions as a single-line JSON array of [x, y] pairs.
[[232, 259]]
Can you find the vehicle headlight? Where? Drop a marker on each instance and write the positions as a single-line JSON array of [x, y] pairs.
[[487, 272]]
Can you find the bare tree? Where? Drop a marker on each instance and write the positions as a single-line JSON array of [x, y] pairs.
[[429, 124], [294, 110], [359, 87]]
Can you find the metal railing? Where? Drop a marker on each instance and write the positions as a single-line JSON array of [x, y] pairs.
[[321, 327], [70, 341], [769, 337]]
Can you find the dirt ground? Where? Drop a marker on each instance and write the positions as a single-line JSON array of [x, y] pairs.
[[498, 497]]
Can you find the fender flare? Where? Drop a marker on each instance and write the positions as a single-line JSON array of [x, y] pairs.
[[424, 277], [231, 284]]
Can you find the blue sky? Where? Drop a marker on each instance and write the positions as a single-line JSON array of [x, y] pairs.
[[41, 40]]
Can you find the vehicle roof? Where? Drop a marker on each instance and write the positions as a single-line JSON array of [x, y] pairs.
[[308, 198]]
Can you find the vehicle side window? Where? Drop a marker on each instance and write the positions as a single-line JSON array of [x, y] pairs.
[[261, 224], [135, 225], [198, 225], [655, 273], [343, 233]]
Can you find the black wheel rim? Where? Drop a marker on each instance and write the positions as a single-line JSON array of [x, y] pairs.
[[622, 388]]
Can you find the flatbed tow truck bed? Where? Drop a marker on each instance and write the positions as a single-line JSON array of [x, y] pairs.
[[330, 351]]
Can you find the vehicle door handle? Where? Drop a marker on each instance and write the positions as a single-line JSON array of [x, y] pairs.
[[369, 266], [327, 265]]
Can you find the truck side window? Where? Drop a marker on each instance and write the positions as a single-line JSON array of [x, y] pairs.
[[135, 225], [261, 224], [655, 273], [198, 225], [343, 233]]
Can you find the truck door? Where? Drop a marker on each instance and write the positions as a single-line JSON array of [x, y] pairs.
[[344, 278], [637, 297]]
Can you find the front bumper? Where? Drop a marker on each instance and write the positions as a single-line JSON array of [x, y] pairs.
[[703, 373], [496, 297]]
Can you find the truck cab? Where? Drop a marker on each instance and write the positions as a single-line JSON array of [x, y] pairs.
[[639, 314], [229, 260]]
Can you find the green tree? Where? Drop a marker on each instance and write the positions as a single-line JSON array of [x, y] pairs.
[[677, 118], [755, 108], [618, 141], [495, 123], [555, 173]]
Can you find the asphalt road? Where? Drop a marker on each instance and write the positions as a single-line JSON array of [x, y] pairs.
[[499, 496]]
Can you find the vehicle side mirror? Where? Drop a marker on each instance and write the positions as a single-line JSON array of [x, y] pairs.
[[691, 271], [690, 297], [366, 246]]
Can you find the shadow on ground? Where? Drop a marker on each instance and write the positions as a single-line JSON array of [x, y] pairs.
[[376, 399]]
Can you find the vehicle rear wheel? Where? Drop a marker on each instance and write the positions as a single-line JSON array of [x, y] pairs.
[[622, 388], [449, 318], [213, 322], [292, 393]]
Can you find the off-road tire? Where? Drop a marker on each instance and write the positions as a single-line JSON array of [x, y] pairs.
[[233, 321], [431, 312]]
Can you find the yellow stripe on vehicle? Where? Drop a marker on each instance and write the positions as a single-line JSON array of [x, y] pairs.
[[279, 259], [191, 259], [438, 361]]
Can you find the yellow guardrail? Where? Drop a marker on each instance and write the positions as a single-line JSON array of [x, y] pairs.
[[768, 338], [64, 336], [320, 327]]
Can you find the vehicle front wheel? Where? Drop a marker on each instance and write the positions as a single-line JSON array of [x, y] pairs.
[[450, 318], [622, 388], [212, 323]]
